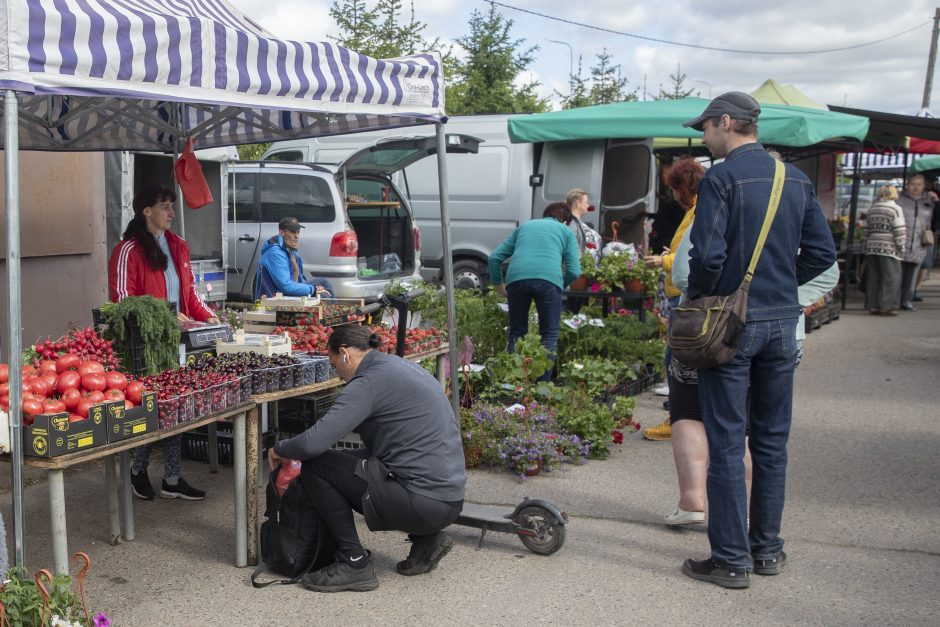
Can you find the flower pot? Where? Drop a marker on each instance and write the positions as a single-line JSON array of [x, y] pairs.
[[580, 284], [473, 455], [633, 285], [534, 469]]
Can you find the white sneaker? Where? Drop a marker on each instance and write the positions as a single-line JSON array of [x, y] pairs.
[[662, 391], [682, 517]]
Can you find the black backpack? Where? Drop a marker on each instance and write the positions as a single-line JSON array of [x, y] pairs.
[[294, 540]]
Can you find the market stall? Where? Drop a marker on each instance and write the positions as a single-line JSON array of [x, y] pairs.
[[110, 76]]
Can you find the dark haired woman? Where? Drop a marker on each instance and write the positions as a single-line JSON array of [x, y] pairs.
[[153, 261], [544, 262], [409, 476]]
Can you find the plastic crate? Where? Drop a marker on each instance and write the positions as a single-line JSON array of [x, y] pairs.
[[135, 347], [195, 445], [643, 382]]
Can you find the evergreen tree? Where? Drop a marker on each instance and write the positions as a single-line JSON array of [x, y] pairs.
[[677, 89], [382, 31], [356, 24], [607, 85], [579, 95], [485, 79]]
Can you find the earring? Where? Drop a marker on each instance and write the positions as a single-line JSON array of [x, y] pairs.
[[345, 359]]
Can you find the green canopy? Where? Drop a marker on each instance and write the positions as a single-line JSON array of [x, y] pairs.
[[926, 164], [780, 125]]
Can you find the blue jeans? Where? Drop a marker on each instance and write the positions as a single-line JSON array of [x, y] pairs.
[[547, 297], [766, 359]]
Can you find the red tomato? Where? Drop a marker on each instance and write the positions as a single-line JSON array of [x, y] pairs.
[[96, 397], [115, 379], [39, 386], [127, 404], [113, 395], [51, 378], [4, 388], [71, 397], [68, 380], [4, 373], [28, 370], [67, 362], [28, 420], [4, 401], [94, 381], [76, 418], [47, 365], [32, 407], [134, 391], [89, 367], [82, 408], [53, 406]]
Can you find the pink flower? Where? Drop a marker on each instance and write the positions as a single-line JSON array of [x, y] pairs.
[[595, 287], [591, 246], [623, 312]]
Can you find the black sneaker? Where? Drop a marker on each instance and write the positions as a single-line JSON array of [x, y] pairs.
[[425, 553], [181, 490], [141, 486], [770, 566], [714, 572], [340, 576]]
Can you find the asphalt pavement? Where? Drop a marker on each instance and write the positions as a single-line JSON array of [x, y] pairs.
[[863, 501]]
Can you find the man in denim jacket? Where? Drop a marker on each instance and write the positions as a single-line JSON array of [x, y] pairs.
[[732, 202]]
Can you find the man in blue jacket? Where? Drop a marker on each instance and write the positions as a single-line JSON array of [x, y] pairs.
[[281, 269], [732, 202]]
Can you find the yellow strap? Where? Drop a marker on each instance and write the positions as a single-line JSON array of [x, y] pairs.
[[775, 193]]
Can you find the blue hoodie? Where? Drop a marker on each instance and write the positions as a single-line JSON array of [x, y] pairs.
[[274, 271]]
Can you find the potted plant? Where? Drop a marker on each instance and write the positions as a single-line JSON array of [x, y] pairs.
[[622, 270], [587, 264]]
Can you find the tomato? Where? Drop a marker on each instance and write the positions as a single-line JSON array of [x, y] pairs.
[[76, 418], [128, 404], [67, 362], [71, 397], [28, 370], [4, 373], [89, 367], [114, 395], [53, 406], [134, 391], [28, 421], [51, 378], [47, 365], [96, 397], [32, 407], [115, 380], [68, 380], [4, 401], [94, 381], [83, 406], [39, 386]]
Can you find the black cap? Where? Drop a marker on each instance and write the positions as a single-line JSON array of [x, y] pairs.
[[736, 104], [289, 224]]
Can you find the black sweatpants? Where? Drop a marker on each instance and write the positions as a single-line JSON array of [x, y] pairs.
[[335, 484]]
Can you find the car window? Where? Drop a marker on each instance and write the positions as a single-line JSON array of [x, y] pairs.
[[306, 198], [241, 198], [287, 155], [370, 190]]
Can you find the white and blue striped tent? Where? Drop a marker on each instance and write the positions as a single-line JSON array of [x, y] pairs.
[[141, 74], [93, 75]]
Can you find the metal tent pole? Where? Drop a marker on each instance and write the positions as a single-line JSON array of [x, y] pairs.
[[850, 231], [448, 270], [15, 348]]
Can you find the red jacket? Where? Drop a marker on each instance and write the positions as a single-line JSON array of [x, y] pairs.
[[129, 274]]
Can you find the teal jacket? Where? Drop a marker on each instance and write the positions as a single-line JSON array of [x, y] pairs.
[[540, 249]]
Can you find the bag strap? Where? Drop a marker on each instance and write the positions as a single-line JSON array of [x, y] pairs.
[[263, 566], [775, 193]]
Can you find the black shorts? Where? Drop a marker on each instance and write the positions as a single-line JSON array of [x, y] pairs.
[[683, 401]]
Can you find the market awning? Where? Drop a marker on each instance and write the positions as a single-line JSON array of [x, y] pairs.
[[927, 164], [780, 125], [896, 123], [100, 75]]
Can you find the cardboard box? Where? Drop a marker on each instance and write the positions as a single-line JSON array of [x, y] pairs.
[[52, 435], [268, 345], [129, 423]]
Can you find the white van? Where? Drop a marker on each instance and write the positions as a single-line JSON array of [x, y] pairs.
[[494, 190]]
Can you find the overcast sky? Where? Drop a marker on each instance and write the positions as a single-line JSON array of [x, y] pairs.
[[887, 76]]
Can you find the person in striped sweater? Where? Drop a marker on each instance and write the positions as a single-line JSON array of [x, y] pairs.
[[884, 249]]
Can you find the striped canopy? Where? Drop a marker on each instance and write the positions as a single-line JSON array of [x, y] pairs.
[[144, 74]]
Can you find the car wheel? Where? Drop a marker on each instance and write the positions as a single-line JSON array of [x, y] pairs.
[[469, 275]]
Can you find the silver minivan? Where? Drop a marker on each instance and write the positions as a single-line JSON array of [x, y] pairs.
[[359, 231]]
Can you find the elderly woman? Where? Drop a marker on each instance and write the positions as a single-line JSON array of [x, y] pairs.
[[918, 212], [884, 249], [544, 262]]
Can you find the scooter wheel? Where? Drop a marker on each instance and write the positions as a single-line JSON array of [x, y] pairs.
[[550, 534]]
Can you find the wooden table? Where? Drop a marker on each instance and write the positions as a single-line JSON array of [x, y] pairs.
[[253, 435], [56, 468]]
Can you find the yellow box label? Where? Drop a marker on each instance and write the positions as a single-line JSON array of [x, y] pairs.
[[86, 441], [139, 428]]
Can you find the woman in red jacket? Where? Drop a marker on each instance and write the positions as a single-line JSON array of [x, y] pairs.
[[153, 261]]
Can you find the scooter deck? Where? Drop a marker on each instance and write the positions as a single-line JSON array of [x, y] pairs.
[[495, 514]]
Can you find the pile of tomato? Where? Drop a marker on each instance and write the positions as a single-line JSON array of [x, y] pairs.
[[68, 384]]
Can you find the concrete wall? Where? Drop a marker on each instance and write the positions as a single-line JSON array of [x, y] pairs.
[[63, 242]]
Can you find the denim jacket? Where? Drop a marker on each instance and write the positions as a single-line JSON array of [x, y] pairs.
[[732, 202]]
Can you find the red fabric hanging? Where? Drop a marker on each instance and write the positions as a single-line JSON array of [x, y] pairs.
[[190, 178]]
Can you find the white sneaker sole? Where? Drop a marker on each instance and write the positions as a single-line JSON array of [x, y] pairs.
[[177, 495], [678, 518]]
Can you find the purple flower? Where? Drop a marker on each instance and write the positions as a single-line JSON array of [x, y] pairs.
[[100, 620]]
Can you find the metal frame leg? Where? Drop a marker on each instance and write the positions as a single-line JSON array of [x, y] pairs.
[[439, 370], [213, 447], [111, 488], [60, 541], [252, 468], [127, 498], [241, 489]]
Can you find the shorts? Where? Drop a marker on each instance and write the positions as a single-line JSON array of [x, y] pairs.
[[683, 401]]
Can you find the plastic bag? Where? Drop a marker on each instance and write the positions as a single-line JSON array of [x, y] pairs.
[[290, 470], [190, 178]]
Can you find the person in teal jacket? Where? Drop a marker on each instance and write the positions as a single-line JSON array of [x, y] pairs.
[[544, 262]]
